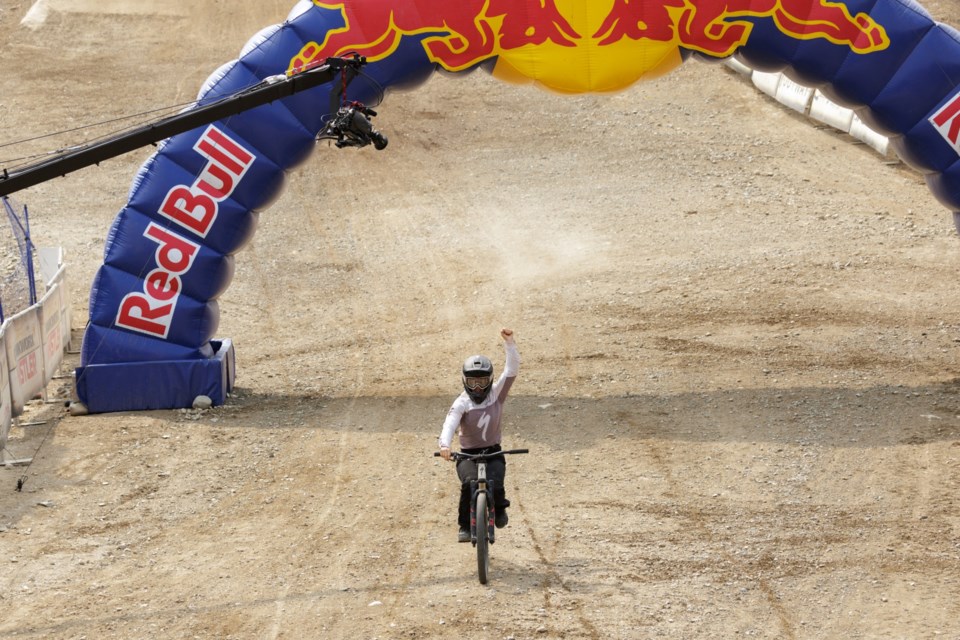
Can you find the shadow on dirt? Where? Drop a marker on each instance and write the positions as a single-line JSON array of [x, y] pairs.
[[874, 417], [878, 416]]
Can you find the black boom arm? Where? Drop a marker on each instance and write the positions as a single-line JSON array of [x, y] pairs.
[[268, 90]]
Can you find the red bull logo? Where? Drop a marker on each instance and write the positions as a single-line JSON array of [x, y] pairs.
[[566, 44], [719, 28], [947, 122], [458, 34], [193, 207]]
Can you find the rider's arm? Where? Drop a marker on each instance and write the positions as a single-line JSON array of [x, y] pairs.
[[450, 425], [512, 365], [510, 368]]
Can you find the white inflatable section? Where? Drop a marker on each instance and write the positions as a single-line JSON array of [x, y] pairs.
[[299, 9], [215, 77], [813, 104], [829, 113], [258, 39]]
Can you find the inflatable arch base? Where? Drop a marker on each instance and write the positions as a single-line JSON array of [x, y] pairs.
[[166, 384]]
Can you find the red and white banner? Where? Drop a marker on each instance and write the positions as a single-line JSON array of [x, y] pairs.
[[24, 346]]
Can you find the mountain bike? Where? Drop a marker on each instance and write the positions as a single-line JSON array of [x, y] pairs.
[[482, 512]]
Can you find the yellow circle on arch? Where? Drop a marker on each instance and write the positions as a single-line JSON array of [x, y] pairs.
[[588, 66], [575, 70]]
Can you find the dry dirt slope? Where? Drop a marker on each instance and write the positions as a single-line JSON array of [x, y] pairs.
[[738, 382]]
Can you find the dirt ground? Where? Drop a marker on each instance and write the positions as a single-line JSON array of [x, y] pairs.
[[739, 382]]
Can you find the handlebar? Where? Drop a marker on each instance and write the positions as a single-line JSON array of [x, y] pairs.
[[459, 455]]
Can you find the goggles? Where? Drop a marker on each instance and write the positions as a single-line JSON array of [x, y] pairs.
[[475, 384]]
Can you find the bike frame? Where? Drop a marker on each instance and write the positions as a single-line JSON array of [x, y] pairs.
[[481, 536]]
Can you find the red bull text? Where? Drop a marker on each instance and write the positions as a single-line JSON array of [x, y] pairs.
[[947, 122], [194, 208]]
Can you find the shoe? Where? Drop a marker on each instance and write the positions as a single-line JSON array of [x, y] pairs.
[[463, 535], [501, 519]]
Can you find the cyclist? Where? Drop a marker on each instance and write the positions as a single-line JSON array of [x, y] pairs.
[[475, 416]]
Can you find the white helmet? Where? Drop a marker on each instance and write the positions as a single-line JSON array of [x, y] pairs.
[[477, 377]]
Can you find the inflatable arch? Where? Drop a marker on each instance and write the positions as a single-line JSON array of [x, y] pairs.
[[195, 203]]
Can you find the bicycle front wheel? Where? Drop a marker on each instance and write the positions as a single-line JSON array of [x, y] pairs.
[[483, 548]]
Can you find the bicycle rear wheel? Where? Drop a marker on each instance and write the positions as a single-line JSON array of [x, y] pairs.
[[483, 548]]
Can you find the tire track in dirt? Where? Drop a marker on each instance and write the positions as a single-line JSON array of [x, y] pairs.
[[332, 498], [787, 629], [415, 548], [553, 577], [922, 471]]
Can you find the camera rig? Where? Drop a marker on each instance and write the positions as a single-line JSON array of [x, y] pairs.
[[350, 124], [351, 127]]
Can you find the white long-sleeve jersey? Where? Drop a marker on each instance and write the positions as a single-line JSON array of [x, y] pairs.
[[479, 424]]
